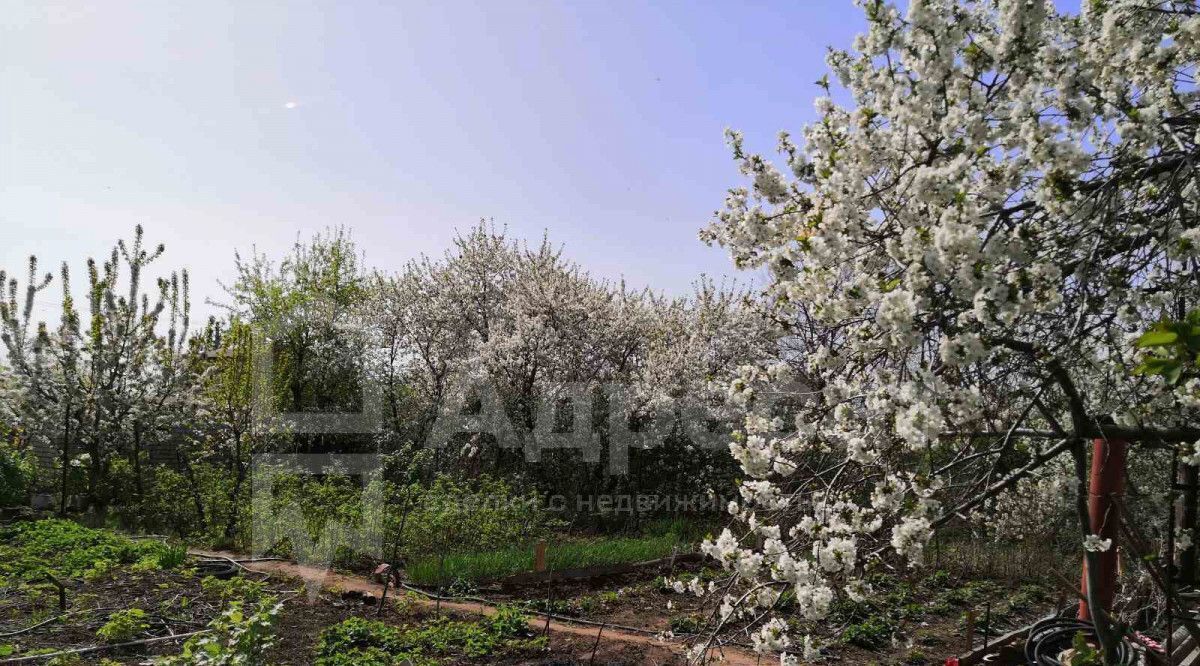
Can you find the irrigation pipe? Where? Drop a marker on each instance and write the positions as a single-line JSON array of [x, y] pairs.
[[568, 619], [553, 616], [218, 558], [18, 632], [97, 648]]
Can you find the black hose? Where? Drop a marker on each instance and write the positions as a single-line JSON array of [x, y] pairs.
[[1048, 638], [217, 569]]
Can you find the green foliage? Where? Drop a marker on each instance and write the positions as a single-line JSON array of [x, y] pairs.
[[30, 550], [358, 641], [481, 515], [974, 592], [559, 556], [508, 622], [938, 579], [1173, 348], [315, 362], [17, 473], [871, 634], [172, 557], [169, 557], [687, 624], [318, 500], [234, 589], [200, 504], [123, 626], [238, 637], [1083, 654]]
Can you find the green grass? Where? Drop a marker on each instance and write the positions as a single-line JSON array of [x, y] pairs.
[[559, 557]]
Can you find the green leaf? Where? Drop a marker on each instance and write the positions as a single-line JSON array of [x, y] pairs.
[[1173, 373], [1155, 366], [1157, 338]]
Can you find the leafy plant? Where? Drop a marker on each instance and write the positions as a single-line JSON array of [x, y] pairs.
[[687, 624], [233, 589], [237, 636], [359, 641], [1174, 348], [66, 549], [17, 471], [870, 634], [123, 626], [1082, 652]]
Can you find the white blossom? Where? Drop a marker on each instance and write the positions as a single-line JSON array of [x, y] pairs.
[[1094, 544]]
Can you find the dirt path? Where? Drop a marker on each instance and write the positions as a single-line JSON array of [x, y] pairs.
[[733, 656]]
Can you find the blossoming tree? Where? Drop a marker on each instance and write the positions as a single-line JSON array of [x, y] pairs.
[[538, 331], [108, 382], [994, 206]]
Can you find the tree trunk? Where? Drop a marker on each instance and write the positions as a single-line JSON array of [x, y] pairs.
[[1189, 476], [1099, 568], [66, 458]]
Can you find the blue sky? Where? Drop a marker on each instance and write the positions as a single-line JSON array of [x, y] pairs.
[[231, 125]]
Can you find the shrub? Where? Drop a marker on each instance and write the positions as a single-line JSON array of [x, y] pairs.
[[17, 470], [199, 506], [487, 514]]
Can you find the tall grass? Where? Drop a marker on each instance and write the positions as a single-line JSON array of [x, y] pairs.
[[559, 556]]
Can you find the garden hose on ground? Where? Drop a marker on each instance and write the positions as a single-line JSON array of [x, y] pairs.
[[1050, 637]]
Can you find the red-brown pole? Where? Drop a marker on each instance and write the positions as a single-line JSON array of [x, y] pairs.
[[1107, 481]]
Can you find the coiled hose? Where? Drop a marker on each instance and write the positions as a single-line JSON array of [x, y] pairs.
[[1048, 638]]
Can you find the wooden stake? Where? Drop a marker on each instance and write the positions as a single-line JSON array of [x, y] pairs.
[[441, 580], [62, 592], [970, 629], [549, 601], [987, 623], [539, 557]]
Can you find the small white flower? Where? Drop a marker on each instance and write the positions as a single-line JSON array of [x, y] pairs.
[[1183, 538], [811, 652], [1094, 544]]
